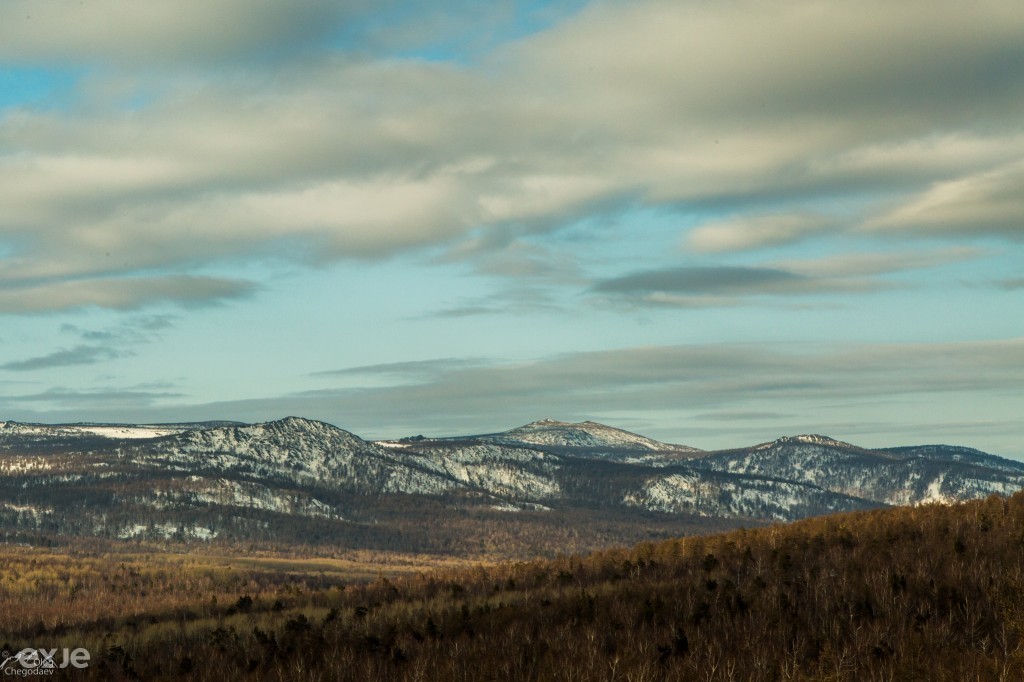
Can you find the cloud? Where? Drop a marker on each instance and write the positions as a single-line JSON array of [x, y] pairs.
[[878, 263], [135, 329], [989, 203], [722, 286], [466, 311], [150, 31], [409, 369], [79, 355], [72, 400], [904, 390], [98, 345], [521, 260], [703, 280], [716, 286], [688, 377], [122, 293], [891, 392], [756, 231], [231, 31], [514, 300]]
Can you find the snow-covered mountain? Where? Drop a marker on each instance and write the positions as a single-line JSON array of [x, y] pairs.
[[739, 496], [307, 481], [592, 440], [588, 434], [896, 476], [296, 451]]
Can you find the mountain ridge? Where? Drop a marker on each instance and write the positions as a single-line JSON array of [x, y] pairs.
[[207, 480]]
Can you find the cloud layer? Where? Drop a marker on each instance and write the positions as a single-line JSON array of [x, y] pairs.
[[705, 394], [149, 31], [336, 155]]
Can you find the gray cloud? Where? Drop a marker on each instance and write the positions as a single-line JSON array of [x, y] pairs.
[[466, 311], [99, 345], [703, 280], [79, 355], [721, 286], [149, 31], [152, 323], [520, 260], [192, 32], [901, 393], [134, 329], [515, 300], [703, 286], [412, 368], [122, 293], [884, 394], [72, 401]]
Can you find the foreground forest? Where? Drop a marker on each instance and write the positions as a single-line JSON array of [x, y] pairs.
[[932, 592]]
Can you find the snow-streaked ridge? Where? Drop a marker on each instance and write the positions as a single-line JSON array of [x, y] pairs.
[[199, 477]]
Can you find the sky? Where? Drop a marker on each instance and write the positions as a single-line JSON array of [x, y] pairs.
[[712, 223]]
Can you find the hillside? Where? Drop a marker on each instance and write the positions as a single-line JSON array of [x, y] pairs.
[[934, 592]]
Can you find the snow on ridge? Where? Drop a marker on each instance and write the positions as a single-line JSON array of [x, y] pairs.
[[391, 444], [804, 439], [111, 431], [127, 432]]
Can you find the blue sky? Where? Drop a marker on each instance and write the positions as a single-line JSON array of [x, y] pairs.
[[711, 223]]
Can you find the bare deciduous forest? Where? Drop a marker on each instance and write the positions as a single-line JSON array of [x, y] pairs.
[[918, 593]]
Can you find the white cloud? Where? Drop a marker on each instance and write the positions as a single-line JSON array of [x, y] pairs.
[[756, 231], [985, 203], [877, 263]]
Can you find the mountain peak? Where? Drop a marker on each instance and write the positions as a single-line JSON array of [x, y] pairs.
[[818, 439], [806, 439], [295, 422], [552, 432], [546, 421]]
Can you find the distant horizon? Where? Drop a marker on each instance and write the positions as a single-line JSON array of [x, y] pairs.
[[378, 438]]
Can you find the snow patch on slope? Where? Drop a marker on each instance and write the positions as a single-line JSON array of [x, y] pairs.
[[166, 531]]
